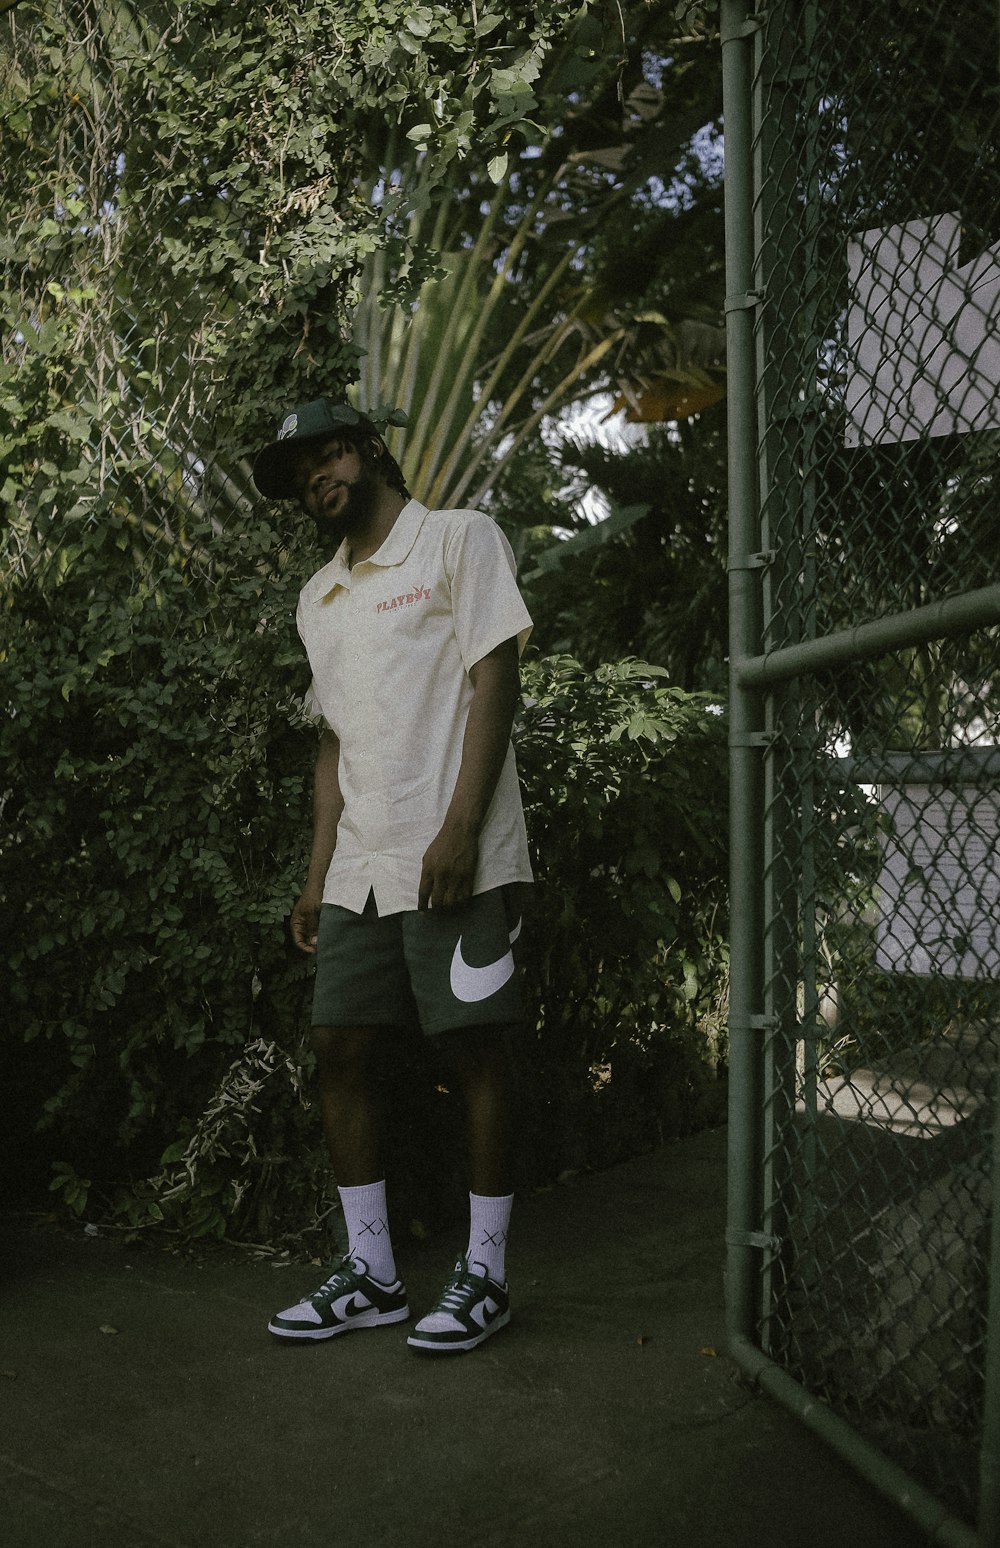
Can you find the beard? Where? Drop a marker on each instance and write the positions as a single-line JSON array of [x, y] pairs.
[[354, 511]]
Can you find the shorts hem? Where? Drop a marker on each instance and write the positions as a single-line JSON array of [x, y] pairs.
[[467, 1026], [360, 1023]]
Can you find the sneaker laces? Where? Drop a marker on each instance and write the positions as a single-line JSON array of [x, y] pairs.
[[344, 1273], [464, 1285]]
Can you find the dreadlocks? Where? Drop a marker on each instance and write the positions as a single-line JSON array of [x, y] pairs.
[[374, 453]]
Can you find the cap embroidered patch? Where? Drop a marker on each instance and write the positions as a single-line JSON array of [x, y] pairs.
[[289, 427]]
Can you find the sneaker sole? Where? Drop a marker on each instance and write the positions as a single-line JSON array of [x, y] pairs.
[[428, 1344], [362, 1320]]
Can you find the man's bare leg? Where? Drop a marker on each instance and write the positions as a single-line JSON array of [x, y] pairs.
[[363, 1291], [481, 1061], [352, 1102]]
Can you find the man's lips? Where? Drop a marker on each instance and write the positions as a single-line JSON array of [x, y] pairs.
[[332, 494]]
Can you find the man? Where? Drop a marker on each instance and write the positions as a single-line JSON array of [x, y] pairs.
[[413, 631]]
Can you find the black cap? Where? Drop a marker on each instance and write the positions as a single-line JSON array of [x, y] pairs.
[[315, 421]]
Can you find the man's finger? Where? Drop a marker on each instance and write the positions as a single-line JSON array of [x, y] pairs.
[[304, 930]]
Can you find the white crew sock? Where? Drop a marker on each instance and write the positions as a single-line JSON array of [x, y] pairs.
[[488, 1232], [368, 1229]]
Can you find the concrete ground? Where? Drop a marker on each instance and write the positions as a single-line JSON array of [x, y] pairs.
[[143, 1403]]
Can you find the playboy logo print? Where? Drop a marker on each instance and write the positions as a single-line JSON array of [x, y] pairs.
[[406, 599]]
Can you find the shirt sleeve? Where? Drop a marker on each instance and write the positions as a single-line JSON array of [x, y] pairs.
[[486, 604], [312, 708]]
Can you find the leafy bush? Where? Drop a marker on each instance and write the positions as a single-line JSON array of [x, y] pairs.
[[156, 791], [155, 823], [625, 796]]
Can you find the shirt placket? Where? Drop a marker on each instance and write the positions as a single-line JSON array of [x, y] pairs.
[[363, 656]]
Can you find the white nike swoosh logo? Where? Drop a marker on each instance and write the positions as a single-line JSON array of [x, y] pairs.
[[470, 984], [485, 1312]]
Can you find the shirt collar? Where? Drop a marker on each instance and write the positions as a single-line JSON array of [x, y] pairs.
[[401, 539], [394, 550]]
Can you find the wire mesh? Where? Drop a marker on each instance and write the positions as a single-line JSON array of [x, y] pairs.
[[877, 254], [881, 1061]]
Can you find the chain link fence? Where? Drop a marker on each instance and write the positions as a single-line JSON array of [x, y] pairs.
[[863, 161]]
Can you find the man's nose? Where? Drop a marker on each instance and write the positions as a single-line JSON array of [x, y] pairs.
[[320, 475]]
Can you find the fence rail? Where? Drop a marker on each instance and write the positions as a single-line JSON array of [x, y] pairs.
[[863, 315]]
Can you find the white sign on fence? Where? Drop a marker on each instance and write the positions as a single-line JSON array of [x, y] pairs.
[[923, 334], [939, 889]]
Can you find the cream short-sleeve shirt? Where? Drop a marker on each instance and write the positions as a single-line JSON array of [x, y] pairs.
[[390, 642]]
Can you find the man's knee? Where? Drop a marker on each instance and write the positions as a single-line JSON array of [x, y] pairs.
[[479, 1050], [343, 1054]]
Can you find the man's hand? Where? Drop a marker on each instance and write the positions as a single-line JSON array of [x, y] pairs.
[[449, 868], [305, 920]]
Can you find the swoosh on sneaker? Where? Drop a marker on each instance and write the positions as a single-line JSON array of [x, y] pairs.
[[470, 984], [347, 1306], [484, 1312]]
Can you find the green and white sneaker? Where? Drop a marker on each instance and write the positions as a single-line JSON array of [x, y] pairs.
[[472, 1306], [349, 1299]]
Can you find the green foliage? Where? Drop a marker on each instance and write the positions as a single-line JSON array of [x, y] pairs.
[[625, 801], [156, 786], [75, 1190], [565, 278], [649, 577], [155, 823], [187, 209], [626, 954], [198, 190]]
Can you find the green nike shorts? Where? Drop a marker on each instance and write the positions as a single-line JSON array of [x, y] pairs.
[[443, 968]]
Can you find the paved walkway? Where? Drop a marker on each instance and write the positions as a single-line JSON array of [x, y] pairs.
[[599, 1417]]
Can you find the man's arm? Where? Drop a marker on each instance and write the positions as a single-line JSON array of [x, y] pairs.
[[328, 804], [449, 865]]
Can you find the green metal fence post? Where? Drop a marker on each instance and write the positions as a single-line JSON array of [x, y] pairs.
[[989, 1452], [745, 634], [780, 415]]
